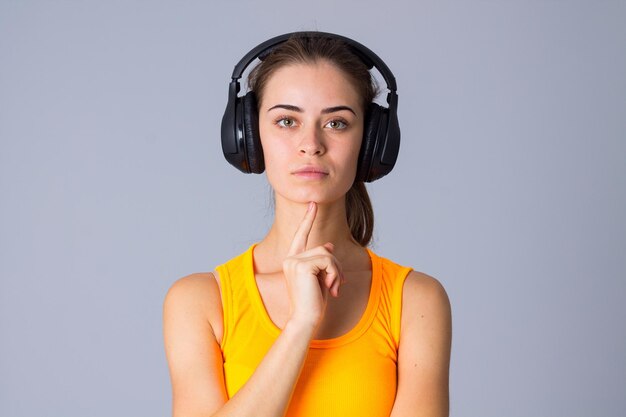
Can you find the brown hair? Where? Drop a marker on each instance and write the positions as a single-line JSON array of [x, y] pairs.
[[308, 50]]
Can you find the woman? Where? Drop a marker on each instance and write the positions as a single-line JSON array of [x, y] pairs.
[[309, 322]]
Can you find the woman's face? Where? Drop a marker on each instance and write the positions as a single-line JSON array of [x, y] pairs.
[[311, 128]]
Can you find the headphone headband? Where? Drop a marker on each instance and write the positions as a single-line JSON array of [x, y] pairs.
[[369, 58]]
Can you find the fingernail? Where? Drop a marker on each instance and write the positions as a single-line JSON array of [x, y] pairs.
[[310, 206]]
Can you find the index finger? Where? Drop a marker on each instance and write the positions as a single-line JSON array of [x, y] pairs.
[[298, 244]]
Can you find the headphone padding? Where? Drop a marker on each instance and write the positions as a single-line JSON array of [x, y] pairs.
[[370, 139], [252, 139]]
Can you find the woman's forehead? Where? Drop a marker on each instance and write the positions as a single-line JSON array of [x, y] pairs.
[[310, 83]]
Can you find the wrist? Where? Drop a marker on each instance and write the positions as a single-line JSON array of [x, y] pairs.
[[304, 327]]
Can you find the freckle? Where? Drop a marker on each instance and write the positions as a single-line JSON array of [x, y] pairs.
[[422, 316]]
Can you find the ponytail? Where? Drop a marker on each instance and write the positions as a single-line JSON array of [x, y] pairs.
[[360, 213]]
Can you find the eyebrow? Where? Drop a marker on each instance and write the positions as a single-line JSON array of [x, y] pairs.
[[299, 110]]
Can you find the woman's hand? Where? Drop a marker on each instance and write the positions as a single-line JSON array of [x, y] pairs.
[[310, 274]]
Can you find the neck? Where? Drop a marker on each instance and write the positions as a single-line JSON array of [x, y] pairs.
[[330, 225]]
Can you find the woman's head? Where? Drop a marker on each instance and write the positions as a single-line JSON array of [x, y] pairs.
[[295, 86]]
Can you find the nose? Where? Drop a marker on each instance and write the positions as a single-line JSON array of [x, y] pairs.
[[311, 142]]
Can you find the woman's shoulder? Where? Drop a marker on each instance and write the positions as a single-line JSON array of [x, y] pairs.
[[198, 285], [424, 296], [205, 286], [421, 285], [417, 290], [414, 283], [196, 295]]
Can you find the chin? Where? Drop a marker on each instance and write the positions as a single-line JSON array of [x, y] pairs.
[[306, 197], [305, 193]]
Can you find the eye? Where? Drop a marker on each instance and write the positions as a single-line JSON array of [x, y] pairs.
[[286, 122], [337, 124]]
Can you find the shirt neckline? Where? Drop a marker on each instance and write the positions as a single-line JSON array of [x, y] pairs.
[[362, 325]]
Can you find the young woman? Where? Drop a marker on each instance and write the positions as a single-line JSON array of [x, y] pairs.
[[309, 321]]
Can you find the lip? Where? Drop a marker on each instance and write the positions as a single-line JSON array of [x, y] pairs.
[[310, 171]]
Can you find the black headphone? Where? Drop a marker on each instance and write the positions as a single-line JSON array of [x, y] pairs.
[[241, 142]]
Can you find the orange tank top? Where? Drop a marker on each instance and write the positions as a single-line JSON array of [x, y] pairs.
[[354, 374]]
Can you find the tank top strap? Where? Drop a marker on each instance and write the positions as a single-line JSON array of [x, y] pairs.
[[232, 276], [393, 276]]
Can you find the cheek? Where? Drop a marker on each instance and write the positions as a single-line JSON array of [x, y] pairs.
[[267, 148], [274, 156], [356, 149]]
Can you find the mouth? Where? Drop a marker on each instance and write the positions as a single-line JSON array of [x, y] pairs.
[[310, 172]]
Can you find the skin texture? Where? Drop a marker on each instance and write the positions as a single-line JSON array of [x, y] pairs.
[[294, 139], [313, 277]]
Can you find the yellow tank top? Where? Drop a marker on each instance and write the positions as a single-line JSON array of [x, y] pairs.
[[354, 374]]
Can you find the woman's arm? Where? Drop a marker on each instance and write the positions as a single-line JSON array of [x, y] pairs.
[[424, 352], [194, 355], [196, 365]]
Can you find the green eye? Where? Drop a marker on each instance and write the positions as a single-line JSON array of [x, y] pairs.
[[285, 122], [337, 124]]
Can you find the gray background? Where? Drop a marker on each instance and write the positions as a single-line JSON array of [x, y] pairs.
[[510, 188]]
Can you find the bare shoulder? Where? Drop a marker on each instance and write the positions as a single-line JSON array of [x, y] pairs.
[[196, 295], [197, 288], [423, 296]]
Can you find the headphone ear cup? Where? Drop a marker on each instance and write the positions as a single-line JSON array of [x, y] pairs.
[[252, 139], [369, 145], [232, 130]]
